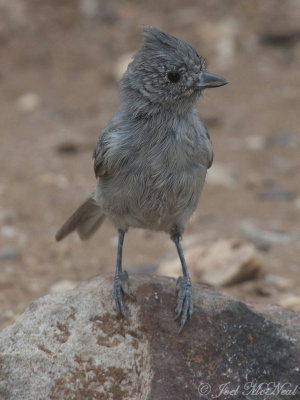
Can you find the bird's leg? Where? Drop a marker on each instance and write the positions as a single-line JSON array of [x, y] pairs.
[[184, 287], [121, 278]]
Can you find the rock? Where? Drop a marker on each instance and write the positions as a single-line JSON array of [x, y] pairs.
[[8, 231], [281, 283], [290, 301], [9, 253], [28, 102], [90, 8], [255, 142], [98, 9], [281, 39], [50, 178], [282, 139], [68, 148], [71, 345], [283, 165], [263, 238], [297, 203], [253, 180], [275, 193], [219, 263], [121, 65], [271, 285]]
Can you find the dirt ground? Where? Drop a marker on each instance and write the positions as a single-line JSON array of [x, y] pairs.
[[59, 71]]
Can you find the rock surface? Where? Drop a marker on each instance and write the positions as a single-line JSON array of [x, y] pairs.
[[71, 345]]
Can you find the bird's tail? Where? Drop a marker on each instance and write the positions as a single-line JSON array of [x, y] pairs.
[[85, 220]]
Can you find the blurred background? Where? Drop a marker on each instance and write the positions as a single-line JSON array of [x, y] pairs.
[[61, 61]]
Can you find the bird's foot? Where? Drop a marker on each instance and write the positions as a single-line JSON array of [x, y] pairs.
[[121, 285], [184, 301]]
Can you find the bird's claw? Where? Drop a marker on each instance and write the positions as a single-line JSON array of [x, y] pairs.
[[184, 301], [121, 286]]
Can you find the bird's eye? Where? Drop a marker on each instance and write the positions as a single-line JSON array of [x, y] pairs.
[[173, 76]]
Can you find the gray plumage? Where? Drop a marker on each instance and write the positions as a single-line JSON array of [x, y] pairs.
[[152, 157]]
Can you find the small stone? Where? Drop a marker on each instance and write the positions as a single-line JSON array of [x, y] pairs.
[[290, 301], [98, 9], [8, 231], [50, 178], [280, 39], [262, 238], [282, 139], [255, 142], [89, 8], [220, 263], [253, 180], [221, 174], [28, 102], [283, 165], [281, 283], [225, 50], [34, 285], [121, 65], [264, 289], [63, 285], [297, 203], [67, 148], [275, 193], [10, 253]]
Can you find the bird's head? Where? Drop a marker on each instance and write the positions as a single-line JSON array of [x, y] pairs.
[[166, 73]]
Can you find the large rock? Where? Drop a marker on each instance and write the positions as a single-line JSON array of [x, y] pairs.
[[71, 345]]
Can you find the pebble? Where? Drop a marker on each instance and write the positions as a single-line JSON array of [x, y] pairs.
[[103, 10], [221, 174], [279, 282], [121, 65], [297, 203], [282, 139], [290, 301], [10, 253], [67, 147], [28, 102], [8, 231], [62, 286], [263, 238], [50, 178], [283, 165], [255, 142], [253, 180], [275, 193]]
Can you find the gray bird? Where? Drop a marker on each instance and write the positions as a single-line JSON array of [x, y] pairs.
[[152, 156]]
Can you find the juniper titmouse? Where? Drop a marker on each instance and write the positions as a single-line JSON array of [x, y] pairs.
[[151, 159]]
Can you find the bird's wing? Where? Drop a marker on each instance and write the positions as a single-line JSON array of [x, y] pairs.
[[98, 155], [107, 151], [204, 133]]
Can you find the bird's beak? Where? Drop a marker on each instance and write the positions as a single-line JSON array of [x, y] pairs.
[[207, 80]]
